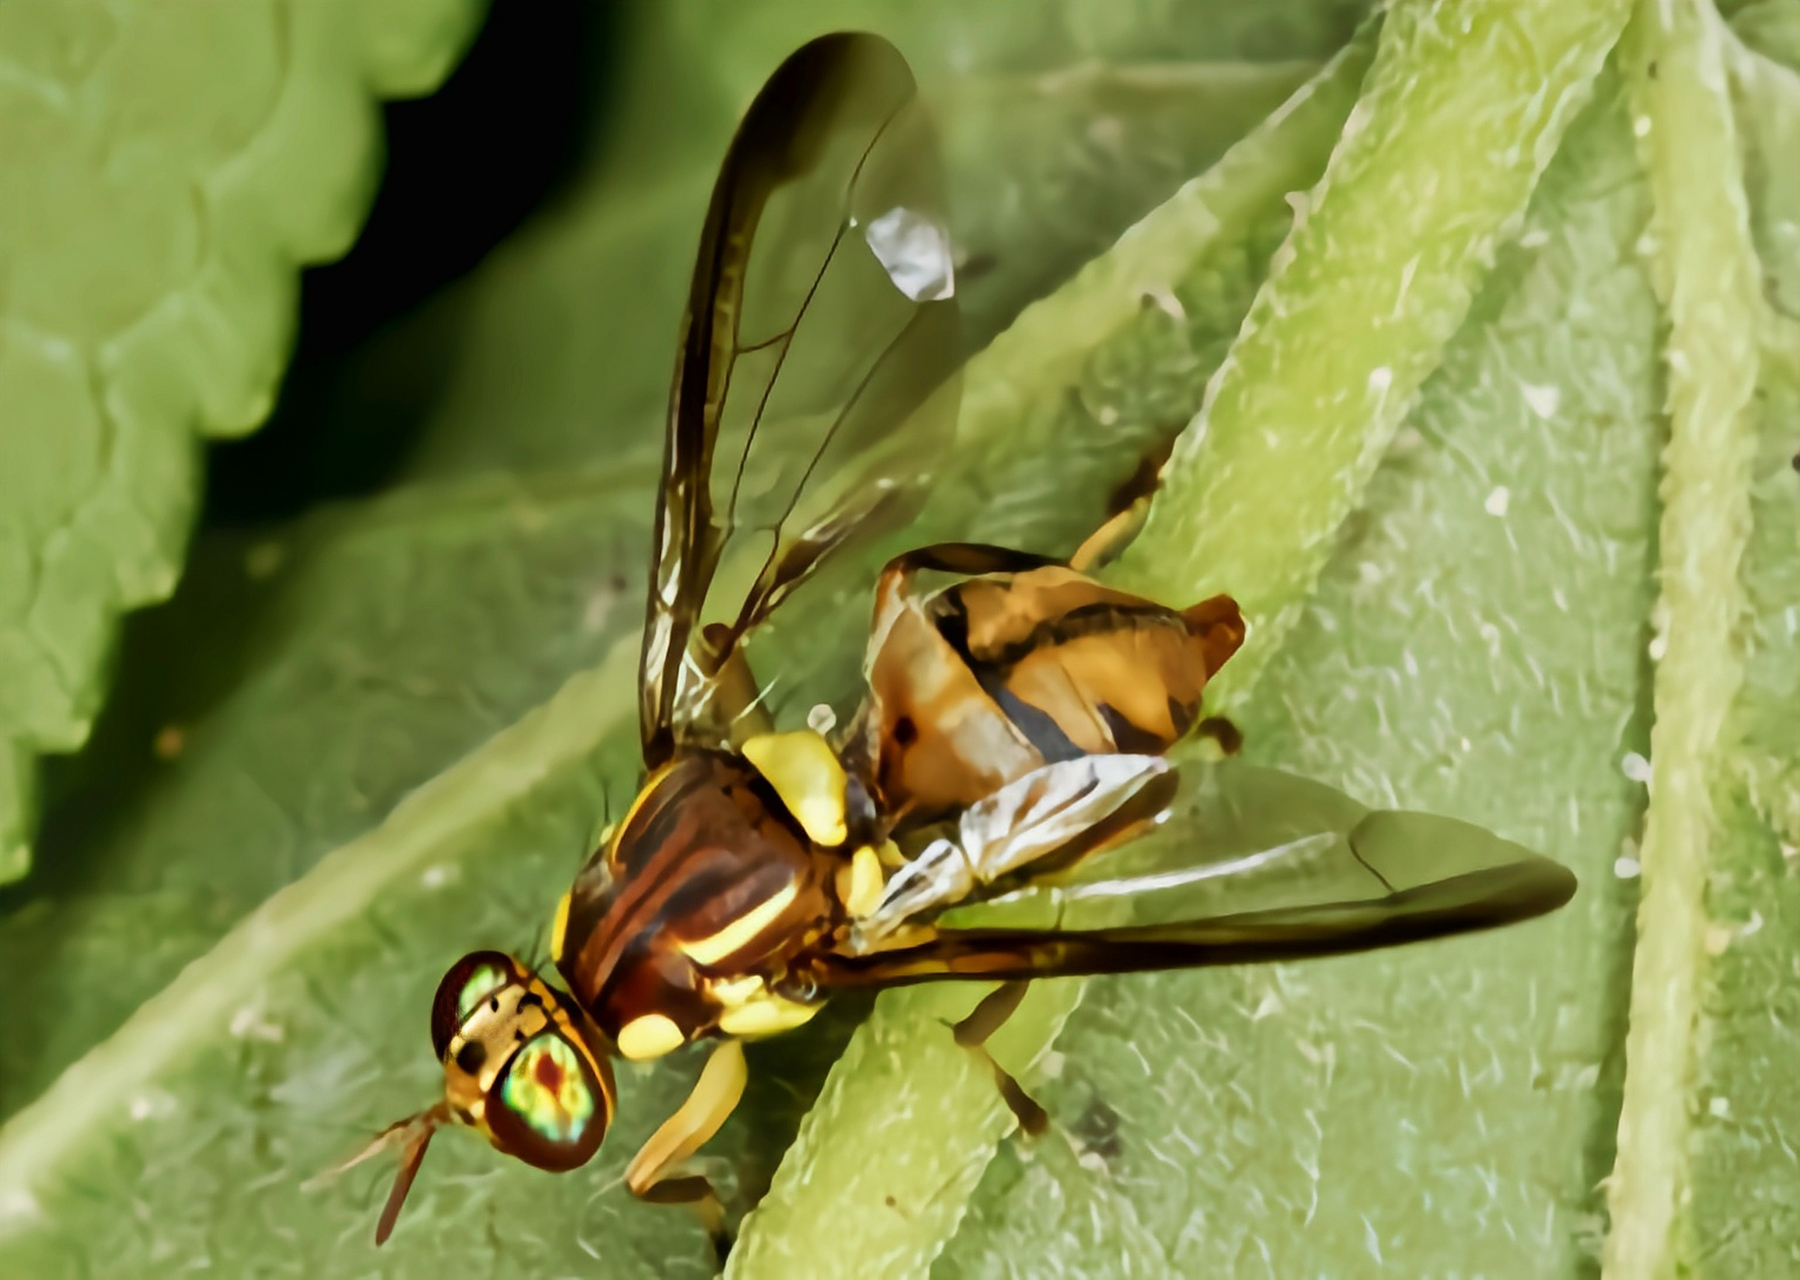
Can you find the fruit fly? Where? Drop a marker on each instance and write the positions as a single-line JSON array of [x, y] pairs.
[[1001, 807]]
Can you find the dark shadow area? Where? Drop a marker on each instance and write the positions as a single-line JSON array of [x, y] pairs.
[[465, 167]]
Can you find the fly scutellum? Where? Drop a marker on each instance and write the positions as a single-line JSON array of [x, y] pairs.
[[999, 808]]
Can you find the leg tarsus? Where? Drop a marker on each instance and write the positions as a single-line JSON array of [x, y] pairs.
[[973, 1033], [1104, 544], [697, 1194], [1027, 1110], [990, 1015]]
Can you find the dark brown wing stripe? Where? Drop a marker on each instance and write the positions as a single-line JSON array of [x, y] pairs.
[[1461, 904]]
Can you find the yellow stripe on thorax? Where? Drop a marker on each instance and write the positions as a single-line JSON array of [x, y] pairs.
[[559, 927], [741, 931]]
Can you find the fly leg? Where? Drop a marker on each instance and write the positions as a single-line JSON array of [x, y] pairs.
[[1128, 508], [965, 560], [651, 1175], [1104, 544], [973, 1032]]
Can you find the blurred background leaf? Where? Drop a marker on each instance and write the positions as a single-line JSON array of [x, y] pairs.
[[169, 168]]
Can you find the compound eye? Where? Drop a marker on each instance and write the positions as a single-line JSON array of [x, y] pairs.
[[547, 1107], [476, 978]]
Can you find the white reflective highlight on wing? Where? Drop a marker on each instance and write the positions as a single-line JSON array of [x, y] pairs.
[[914, 248], [1133, 886]]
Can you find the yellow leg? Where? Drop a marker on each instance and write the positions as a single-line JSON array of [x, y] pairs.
[[1106, 542], [715, 1096]]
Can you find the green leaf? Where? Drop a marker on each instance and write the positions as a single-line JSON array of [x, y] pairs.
[[1292, 428], [181, 162], [346, 737], [1445, 1109], [1704, 1179]]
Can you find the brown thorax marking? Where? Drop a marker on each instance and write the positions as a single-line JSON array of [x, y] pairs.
[[727, 958]]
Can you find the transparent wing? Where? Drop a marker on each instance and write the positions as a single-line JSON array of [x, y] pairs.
[[1242, 865], [813, 386]]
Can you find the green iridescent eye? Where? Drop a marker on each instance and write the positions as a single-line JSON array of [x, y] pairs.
[[546, 1090], [546, 1108], [481, 984], [473, 979]]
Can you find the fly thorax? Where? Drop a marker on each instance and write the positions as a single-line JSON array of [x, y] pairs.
[[718, 971], [723, 873]]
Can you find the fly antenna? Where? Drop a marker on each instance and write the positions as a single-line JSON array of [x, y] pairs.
[[412, 1135]]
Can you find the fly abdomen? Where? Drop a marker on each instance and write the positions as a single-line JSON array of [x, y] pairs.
[[1081, 668]]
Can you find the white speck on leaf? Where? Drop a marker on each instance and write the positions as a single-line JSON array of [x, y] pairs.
[[248, 1023], [1498, 501], [1543, 398], [1380, 379], [914, 249], [437, 876], [1635, 767], [1626, 867], [1164, 299], [18, 1205], [151, 1106], [1370, 1241]]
